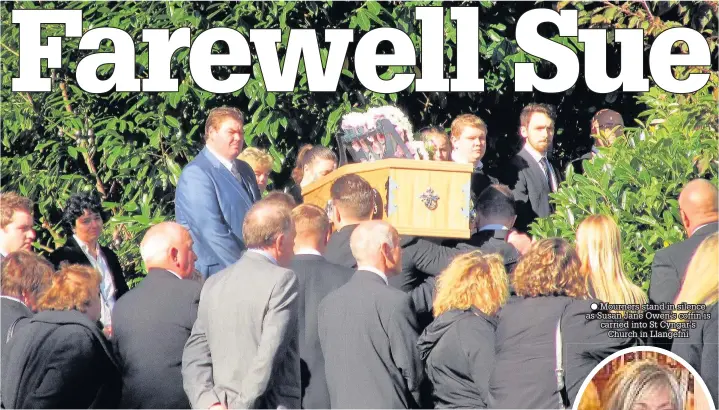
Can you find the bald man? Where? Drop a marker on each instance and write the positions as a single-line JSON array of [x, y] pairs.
[[368, 330], [153, 321], [700, 215]]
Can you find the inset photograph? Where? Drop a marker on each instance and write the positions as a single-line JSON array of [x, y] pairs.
[[646, 378]]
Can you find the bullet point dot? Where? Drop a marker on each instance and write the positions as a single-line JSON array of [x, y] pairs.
[[594, 306]]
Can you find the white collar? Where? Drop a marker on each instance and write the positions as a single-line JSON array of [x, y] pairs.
[[2, 251], [375, 270], [493, 227], [227, 164], [533, 152], [456, 158], [15, 299], [308, 251], [85, 247], [265, 254]]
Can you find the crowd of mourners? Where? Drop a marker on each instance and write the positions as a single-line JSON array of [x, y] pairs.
[[254, 299]]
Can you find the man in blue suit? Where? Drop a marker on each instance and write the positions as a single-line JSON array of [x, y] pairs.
[[215, 192]]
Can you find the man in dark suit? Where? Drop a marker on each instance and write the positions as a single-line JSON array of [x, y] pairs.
[[152, 322], [215, 191], [353, 202], [316, 278], [368, 330], [243, 349], [529, 174], [700, 216], [607, 125], [25, 276], [16, 223]]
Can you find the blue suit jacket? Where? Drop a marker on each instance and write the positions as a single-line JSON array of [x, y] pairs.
[[211, 203]]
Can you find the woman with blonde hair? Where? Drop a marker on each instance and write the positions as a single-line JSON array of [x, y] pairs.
[[643, 384], [551, 310], [458, 347], [701, 287], [260, 162], [61, 359], [599, 248]]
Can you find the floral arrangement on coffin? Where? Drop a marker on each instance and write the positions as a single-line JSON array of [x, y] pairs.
[[381, 132]]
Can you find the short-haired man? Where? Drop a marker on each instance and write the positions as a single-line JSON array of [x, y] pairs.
[[281, 198], [215, 191], [606, 126], [317, 278], [529, 174], [25, 276], [469, 144], [368, 331], [699, 212], [243, 350], [317, 162], [354, 201], [152, 322], [16, 223]]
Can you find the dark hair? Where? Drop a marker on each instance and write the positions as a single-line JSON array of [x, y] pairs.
[[76, 206], [354, 195], [282, 198], [298, 170], [496, 200], [526, 115], [318, 152]]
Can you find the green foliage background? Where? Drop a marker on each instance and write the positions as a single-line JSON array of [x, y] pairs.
[[131, 147]]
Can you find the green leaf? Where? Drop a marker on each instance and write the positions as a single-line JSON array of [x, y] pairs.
[[270, 99], [172, 121], [72, 151]]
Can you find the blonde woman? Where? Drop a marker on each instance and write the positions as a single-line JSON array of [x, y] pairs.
[[643, 384], [701, 287], [550, 289], [599, 248], [458, 347], [260, 162]]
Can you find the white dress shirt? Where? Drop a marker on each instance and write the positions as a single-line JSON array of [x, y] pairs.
[[107, 284], [458, 159], [375, 270], [493, 227], [308, 251], [553, 184]]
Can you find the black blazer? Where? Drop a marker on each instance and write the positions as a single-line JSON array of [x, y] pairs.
[[480, 181], [523, 376], [458, 350], [317, 278], [420, 257], [73, 254], [368, 334], [12, 312], [60, 360], [578, 164], [151, 324], [530, 188], [493, 242], [700, 350], [670, 265]]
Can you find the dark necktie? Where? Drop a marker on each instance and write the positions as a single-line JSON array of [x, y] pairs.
[[548, 174], [238, 176]]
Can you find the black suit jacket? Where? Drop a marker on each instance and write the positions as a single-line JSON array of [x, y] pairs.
[[12, 312], [317, 278], [670, 265], [578, 164], [368, 333], [480, 181], [150, 327], [530, 188], [420, 257], [60, 360], [700, 350], [493, 242], [73, 254]]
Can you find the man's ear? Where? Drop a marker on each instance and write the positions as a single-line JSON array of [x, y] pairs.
[[685, 220], [327, 237], [337, 218], [280, 241], [514, 220], [523, 131]]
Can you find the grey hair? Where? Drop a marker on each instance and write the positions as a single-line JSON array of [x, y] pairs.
[[627, 384], [368, 238]]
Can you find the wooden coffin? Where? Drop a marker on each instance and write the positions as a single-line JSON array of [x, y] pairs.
[[421, 198]]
